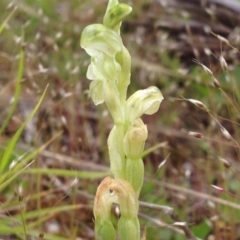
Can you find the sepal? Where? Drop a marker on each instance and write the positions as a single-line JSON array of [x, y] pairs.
[[96, 92], [103, 68], [97, 38]]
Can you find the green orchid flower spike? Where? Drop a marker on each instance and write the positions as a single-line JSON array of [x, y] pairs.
[[109, 72]]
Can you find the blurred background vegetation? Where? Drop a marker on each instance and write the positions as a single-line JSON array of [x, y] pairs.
[[53, 198]]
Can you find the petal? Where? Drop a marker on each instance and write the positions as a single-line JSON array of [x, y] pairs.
[[112, 100], [98, 38], [145, 101], [103, 68], [96, 92], [93, 72]]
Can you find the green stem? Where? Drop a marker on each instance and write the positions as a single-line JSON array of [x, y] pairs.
[[116, 153]]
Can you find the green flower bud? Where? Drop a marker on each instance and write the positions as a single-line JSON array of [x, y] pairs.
[[97, 38], [134, 173], [112, 3], [115, 15], [135, 138], [128, 228], [145, 101], [104, 231]]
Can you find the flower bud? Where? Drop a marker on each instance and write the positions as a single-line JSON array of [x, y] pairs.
[[135, 138], [134, 174], [105, 230], [128, 228], [145, 101], [115, 15]]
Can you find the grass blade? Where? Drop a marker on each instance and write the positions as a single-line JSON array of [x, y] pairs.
[[5, 161], [17, 89]]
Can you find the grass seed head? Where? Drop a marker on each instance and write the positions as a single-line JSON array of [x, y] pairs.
[[225, 162], [207, 51], [195, 134], [206, 69], [198, 104], [223, 63], [222, 39], [226, 134], [216, 82], [74, 182], [10, 6], [218, 188], [162, 163]]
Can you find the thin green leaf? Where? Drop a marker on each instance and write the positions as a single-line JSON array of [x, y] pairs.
[[2, 26], [5, 161], [49, 211], [19, 168], [12, 177], [68, 173], [17, 90]]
